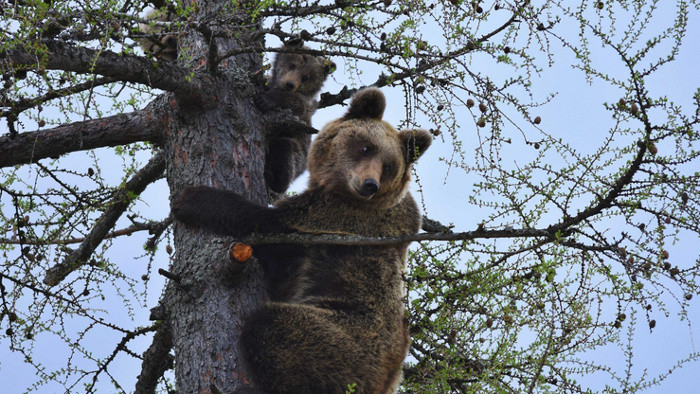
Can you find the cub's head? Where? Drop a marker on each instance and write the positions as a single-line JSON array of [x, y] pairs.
[[301, 73], [363, 158]]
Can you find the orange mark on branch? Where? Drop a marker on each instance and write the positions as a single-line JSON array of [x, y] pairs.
[[240, 252]]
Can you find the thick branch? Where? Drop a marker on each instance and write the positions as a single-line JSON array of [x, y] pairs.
[[123, 198], [128, 68], [335, 239], [156, 360], [110, 131]]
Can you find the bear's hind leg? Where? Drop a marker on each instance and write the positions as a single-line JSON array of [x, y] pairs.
[[285, 161], [295, 348]]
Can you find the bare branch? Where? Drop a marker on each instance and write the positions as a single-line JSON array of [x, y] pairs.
[[110, 131], [123, 198]]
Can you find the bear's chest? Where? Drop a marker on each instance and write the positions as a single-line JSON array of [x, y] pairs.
[[331, 220], [355, 274]]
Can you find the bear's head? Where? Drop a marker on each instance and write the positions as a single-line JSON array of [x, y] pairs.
[[363, 158], [300, 73]]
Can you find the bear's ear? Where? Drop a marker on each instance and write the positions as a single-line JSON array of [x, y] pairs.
[[415, 142], [328, 67], [367, 103]]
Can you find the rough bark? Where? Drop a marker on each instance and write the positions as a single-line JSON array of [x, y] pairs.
[[128, 68], [218, 142], [114, 130]]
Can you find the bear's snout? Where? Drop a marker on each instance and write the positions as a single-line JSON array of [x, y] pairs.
[[369, 187], [289, 86]]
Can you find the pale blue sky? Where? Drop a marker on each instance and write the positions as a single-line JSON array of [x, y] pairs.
[[576, 114]]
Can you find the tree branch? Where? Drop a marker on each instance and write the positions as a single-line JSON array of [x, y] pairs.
[[123, 198], [121, 346], [153, 227], [128, 68], [114, 130], [156, 360], [328, 99], [15, 107], [335, 239]]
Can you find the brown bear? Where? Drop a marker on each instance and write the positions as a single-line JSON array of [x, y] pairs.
[[294, 84], [337, 318]]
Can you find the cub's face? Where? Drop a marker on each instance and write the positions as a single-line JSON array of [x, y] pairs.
[[363, 158], [304, 74]]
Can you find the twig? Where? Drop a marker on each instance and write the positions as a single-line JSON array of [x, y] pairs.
[[153, 227], [123, 198]]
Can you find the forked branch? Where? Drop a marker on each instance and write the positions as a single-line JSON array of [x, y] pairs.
[[121, 201]]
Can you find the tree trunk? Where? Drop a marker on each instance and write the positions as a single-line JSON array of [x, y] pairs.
[[214, 139]]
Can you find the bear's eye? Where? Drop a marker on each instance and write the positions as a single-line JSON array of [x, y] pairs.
[[304, 78], [386, 168], [292, 66], [366, 150]]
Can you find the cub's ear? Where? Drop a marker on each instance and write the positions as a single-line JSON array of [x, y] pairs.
[[415, 143], [328, 67], [367, 103]]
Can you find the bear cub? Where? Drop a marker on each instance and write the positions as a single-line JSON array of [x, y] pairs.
[[294, 84], [337, 316]]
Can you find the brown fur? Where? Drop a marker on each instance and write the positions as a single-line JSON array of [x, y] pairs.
[[337, 316], [294, 84]]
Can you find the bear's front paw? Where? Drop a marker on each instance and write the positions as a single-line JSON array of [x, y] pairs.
[[266, 102], [184, 207]]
